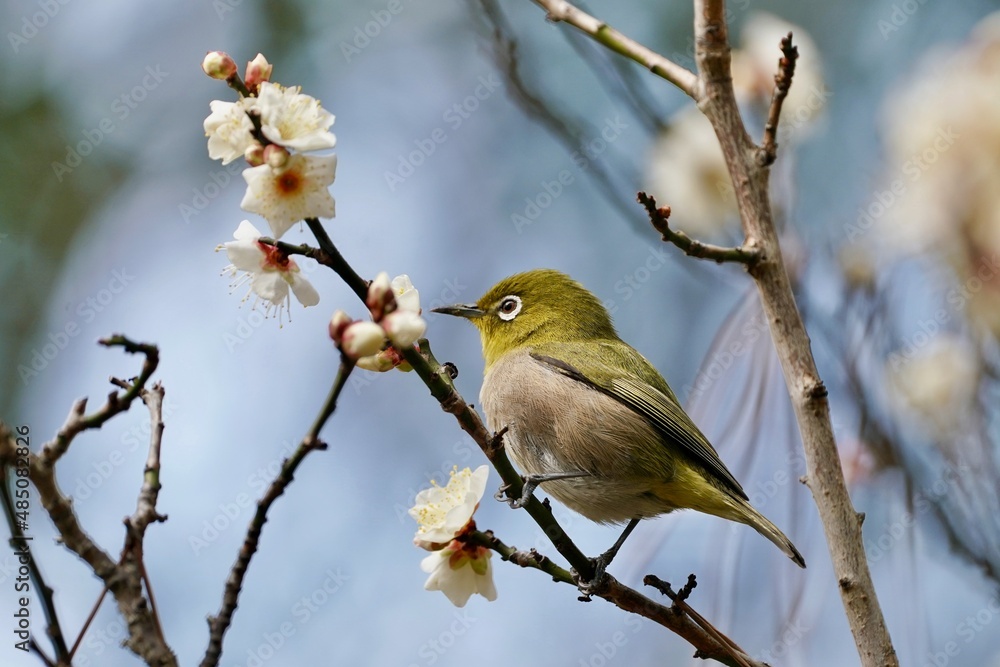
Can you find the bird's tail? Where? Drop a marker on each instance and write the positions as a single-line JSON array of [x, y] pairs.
[[748, 515]]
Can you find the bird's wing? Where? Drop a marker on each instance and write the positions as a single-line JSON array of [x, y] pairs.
[[640, 387]]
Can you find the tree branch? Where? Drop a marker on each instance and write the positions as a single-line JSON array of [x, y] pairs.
[[117, 403], [841, 523], [660, 218], [559, 10], [125, 578], [782, 82], [219, 623]]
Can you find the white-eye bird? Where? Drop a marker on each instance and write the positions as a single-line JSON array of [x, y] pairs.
[[588, 417]]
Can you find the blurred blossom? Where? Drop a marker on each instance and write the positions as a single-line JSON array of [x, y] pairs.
[[937, 382], [858, 267], [943, 137], [686, 169]]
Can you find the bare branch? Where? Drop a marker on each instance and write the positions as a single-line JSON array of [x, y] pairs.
[[117, 403], [125, 578], [560, 10], [219, 623], [841, 523], [660, 218], [782, 82]]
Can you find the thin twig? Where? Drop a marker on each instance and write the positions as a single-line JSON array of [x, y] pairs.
[[337, 261], [18, 537], [680, 618], [145, 511], [680, 601], [117, 403], [303, 249], [86, 624], [560, 10], [123, 579], [571, 132], [660, 219], [528, 559], [219, 623], [782, 82]]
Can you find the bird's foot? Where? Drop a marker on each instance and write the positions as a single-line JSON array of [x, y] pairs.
[[594, 584], [531, 483]]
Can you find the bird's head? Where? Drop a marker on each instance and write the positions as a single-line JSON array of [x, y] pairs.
[[534, 307]]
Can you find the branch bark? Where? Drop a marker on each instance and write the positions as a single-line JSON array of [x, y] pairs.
[[123, 578], [825, 478]]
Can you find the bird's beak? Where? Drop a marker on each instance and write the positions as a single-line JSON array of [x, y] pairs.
[[467, 310]]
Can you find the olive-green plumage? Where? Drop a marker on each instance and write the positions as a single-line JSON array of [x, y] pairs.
[[576, 398]]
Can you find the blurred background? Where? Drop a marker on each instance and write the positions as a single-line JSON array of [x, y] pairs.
[[885, 188]]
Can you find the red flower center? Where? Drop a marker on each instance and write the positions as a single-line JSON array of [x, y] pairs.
[[289, 183], [274, 257]]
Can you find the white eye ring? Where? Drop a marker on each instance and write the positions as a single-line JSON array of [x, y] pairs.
[[509, 307]]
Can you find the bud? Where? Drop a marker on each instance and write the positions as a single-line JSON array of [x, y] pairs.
[[254, 154], [378, 363], [407, 296], [258, 71], [276, 156], [219, 65], [380, 298], [404, 327], [338, 323], [362, 339]]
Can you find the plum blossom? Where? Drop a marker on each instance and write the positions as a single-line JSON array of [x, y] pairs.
[[458, 568], [270, 271], [442, 512], [294, 120], [228, 129], [290, 194]]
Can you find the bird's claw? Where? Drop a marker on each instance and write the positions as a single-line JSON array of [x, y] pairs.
[[593, 585]]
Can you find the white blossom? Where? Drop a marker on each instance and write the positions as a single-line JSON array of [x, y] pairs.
[[459, 571], [443, 512], [294, 120], [228, 129], [270, 271], [286, 196]]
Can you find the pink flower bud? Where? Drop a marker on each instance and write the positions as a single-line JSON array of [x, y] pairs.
[[381, 299], [338, 323], [218, 65], [276, 156], [258, 71], [254, 154]]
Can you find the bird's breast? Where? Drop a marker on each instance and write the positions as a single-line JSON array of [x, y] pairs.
[[559, 424]]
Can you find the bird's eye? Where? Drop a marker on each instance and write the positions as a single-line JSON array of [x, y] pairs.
[[510, 306]]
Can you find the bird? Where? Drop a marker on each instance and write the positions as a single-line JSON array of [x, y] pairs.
[[588, 418]]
